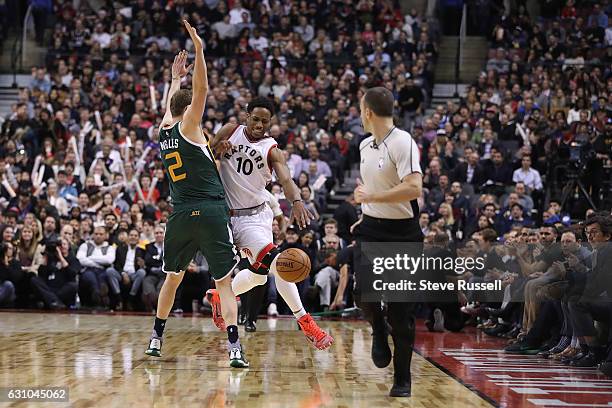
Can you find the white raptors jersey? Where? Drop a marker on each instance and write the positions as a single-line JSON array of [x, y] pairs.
[[245, 171]]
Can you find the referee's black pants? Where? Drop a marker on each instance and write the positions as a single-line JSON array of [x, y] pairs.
[[400, 316]]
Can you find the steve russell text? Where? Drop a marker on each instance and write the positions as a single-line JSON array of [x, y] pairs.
[[426, 285]]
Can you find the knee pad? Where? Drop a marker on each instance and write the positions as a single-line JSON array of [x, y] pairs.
[[263, 264]]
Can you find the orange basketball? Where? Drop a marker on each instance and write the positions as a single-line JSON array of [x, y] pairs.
[[293, 265]]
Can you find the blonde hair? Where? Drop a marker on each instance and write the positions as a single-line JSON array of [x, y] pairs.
[[449, 219], [30, 250]]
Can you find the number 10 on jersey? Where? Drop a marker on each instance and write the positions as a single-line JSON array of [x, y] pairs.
[[245, 166]]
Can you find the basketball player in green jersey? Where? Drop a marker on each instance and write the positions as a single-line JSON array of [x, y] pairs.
[[200, 218]]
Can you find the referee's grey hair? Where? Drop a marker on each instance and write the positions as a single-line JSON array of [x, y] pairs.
[[380, 100]]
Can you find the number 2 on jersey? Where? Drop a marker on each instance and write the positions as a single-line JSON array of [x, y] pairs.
[[245, 166], [179, 163]]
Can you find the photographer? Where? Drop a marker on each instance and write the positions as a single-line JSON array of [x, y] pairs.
[[56, 280]]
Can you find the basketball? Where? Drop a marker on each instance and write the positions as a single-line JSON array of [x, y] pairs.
[[293, 265]]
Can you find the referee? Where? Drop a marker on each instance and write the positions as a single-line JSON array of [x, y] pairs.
[[392, 182]]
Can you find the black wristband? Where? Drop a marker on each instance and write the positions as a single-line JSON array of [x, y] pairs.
[[295, 201]]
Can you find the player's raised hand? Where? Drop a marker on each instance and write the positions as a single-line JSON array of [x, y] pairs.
[[179, 66], [223, 147], [300, 214], [197, 41]]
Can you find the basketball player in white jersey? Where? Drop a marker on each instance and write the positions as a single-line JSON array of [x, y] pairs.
[[247, 158]]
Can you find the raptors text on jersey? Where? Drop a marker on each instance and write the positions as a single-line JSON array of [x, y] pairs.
[[246, 165], [245, 170]]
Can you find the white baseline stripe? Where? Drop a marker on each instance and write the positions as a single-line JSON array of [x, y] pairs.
[[559, 403]]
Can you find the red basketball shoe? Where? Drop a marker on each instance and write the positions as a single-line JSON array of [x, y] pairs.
[[212, 295], [315, 335]]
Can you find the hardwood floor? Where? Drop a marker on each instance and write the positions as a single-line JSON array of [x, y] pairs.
[[100, 359]]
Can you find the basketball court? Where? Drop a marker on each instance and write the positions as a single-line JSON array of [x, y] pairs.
[[100, 359]]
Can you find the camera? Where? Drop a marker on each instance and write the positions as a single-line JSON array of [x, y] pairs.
[[51, 249], [581, 150], [580, 153]]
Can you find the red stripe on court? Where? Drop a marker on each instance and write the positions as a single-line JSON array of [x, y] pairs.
[[478, 361]]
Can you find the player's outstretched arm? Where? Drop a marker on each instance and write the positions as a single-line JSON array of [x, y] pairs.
[[199, 84], [299, 213], [219, 143], [179, 70]]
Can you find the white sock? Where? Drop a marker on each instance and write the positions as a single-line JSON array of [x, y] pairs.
[[289, 293], [575, 343], [246, 280]]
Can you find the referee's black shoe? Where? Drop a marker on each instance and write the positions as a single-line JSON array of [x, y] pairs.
[[381, 353], [401, 387]]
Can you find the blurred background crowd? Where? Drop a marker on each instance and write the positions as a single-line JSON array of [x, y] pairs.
[[80, 157], [522, 157]]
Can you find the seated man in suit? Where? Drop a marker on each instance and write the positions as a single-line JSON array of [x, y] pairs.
[[155, 276], [498, 174], [130, 264], [595, 304], [470, 171]]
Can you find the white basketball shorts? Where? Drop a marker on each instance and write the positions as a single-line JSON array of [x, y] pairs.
[[253, 233]]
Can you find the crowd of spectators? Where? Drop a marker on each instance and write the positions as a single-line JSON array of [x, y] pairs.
[[84, 196], [536, 119], [501, 173]]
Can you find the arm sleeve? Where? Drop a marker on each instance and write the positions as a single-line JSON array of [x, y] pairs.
[[109, 258], [345, 257], [73, 267], [274, 205], [325, 170], [405, 154], [105, 260], [538, 181]]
